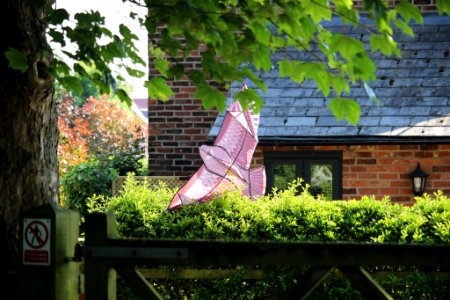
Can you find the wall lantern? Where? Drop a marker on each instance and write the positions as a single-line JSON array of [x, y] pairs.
[[419, 179]]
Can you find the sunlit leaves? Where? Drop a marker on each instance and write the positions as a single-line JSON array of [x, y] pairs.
[[409, 11], [406, 29], [210, 97], [260, 31], [72, 83], [123, 97], [135, 72], [443, 6], [346, 46], [299, 71], [377, 8], [158, 89], [385, 44], [250, 98], [318, 9], [344, 108], [339, 83], [234, 40], [17, 60], [261, 59]]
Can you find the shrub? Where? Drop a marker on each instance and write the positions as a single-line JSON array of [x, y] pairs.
[[84, 180], [141, 211]]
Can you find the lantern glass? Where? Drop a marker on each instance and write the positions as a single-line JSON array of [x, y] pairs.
[[419, 179]]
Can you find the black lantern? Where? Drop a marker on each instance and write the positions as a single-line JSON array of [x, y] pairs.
[[419, 179]]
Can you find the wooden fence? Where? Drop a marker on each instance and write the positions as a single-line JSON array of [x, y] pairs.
[[104, 255]]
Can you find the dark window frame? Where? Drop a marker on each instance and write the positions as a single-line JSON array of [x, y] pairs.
[[302, 159]]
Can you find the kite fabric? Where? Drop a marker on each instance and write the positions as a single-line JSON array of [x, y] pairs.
[[226, 164]]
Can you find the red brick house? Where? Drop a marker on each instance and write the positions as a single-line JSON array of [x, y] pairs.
[[300, 137]]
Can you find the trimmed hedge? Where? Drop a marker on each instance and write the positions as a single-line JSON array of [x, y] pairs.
[[141, 212]]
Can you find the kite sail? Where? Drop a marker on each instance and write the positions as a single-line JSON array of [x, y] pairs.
[[226, 164]]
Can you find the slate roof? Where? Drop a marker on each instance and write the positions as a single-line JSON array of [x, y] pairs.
[[414, 94], [140, 107]]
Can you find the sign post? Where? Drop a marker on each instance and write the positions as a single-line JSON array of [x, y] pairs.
[[49, 235]]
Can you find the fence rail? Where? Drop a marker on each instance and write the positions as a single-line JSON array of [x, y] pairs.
[[104, 253]]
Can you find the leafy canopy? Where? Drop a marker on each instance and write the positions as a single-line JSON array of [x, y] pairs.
[[236, 39]]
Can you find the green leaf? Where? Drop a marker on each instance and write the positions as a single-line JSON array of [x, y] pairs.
[[409, 11], [344, 108], [57, 16], [249, 97], [176, 71], [261, 59], [318, 73], [162, 65], [385, 43], [77, 67], [288, 69], [123, 97], [17, 60], [347, 46], [443, 6], [361, 67], [255, 79], [377, 7], [57, 37], [158, 89], [211, 97], [134, 72], [318, 9], [72, 84], [61, 68], [345, 3], [348, 15], [127, 34], [339, 84], [404, 27], [259, 29]]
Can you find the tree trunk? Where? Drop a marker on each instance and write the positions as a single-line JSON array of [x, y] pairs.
[[28, 125]]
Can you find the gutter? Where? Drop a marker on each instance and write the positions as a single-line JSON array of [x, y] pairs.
[[349, 140]]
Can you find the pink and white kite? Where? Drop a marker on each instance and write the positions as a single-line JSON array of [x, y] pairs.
[[226, 164]]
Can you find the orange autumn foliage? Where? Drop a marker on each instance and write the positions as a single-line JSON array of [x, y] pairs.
[[98, 128]]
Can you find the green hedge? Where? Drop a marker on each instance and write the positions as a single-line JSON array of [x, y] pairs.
[[142, 212]]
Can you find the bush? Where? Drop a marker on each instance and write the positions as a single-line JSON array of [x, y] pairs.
[[142, 212], [85, 180]]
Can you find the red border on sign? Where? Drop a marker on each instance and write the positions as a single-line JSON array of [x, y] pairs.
[[42, 240]]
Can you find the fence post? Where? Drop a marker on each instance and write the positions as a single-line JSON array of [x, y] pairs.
[[100, 277], [49, 236]]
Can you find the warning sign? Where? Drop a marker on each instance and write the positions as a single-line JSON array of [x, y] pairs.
[[36, 241]]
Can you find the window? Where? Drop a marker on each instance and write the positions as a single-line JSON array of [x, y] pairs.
[[322, 170]]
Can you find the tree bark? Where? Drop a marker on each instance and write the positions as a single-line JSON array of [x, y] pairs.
[[28, 125]]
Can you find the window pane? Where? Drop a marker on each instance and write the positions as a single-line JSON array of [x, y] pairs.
[[322, 180], [283, 175]]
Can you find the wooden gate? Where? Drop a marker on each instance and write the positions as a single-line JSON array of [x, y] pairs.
[[104, 254]]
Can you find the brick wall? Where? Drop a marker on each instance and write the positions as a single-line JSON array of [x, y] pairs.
[[383, 169], [176, 131], [178, 128]]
